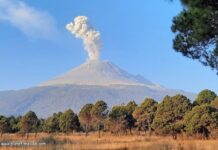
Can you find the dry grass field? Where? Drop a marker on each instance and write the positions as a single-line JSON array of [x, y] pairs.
[[106, 142]]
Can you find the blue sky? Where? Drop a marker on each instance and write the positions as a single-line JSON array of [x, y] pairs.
[[35, 46]]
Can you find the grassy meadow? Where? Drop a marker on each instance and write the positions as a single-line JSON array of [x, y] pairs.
[[79, 141]]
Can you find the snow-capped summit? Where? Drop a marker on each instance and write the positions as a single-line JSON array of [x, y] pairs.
[[95, 72]]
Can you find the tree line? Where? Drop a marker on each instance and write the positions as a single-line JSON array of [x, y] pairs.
[[172, 116]]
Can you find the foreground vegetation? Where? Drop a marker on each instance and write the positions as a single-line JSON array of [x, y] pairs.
[[173, 116], [77, 141]]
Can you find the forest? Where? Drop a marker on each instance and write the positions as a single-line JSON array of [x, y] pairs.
[[173, 116]]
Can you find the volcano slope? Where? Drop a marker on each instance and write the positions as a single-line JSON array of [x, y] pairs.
[[89, 82]]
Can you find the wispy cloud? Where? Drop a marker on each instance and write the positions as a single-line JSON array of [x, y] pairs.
[[32, 22]]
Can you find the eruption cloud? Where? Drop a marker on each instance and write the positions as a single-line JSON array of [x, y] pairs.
[[81, 28]]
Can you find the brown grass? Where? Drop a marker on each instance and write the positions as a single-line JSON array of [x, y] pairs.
[[109, 142]]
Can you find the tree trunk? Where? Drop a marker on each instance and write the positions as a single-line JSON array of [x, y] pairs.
[[149, 126], [204, 134], [130, 131], [27, 135], [1, 134], [145, 131], [149, 130], [86, 130], [139, 131], [174, 135], [36, 134], [99, 130]]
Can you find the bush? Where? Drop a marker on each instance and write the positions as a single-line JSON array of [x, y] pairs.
[[49, 140]]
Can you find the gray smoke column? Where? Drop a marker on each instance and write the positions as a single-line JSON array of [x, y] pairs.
[[81, 29]]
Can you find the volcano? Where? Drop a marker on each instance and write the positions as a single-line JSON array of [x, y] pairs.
[[87, 83], [99, 73]]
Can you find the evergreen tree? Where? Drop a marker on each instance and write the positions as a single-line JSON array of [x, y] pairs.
[[205, 97], [117, 121], [52, 124], [29, 123], [130, 108], [4, 125], [99, 113], [13, 124], [170, 114], [145, 113], [69, 121], [196, 29], [85, 117], [120, 118], [202, 119], [214, 103]]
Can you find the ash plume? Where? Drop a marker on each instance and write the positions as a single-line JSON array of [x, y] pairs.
[[81, 28]]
